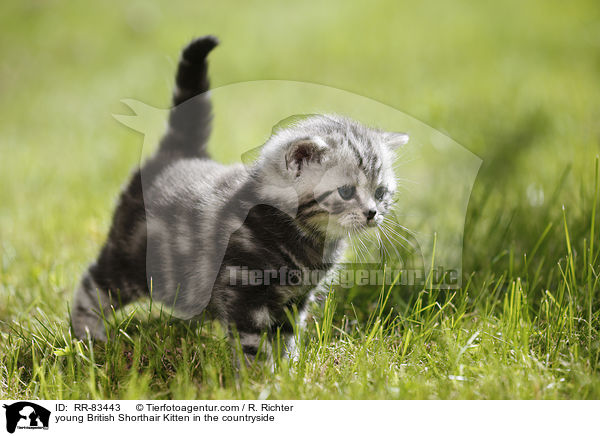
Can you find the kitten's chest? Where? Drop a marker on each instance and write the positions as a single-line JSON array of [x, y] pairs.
[[288, 267], [305, 270]]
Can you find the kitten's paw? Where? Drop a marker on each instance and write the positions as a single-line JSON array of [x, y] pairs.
[[88, 324]]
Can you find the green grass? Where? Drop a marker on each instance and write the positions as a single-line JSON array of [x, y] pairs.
[[516, 83]]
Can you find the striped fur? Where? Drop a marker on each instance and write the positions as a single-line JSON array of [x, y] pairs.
[[188, 227]]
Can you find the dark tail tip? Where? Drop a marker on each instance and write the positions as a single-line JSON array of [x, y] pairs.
[[199, 48], [192, 77]]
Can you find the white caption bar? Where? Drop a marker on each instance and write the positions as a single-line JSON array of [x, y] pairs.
[[298, 417]]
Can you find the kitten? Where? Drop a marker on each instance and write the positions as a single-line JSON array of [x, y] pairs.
[[198, 233]]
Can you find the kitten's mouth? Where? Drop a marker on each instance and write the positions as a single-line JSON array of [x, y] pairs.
[[357, 226], [354, 223], [360, 224], [342, 226]]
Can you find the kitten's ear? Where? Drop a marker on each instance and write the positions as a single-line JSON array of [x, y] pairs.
[[394, 140], [302, 152]]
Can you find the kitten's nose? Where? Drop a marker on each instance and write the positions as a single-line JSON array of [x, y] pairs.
[[370, 214]]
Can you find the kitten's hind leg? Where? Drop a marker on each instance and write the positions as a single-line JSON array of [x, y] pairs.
[[93, 305], [90, 305]]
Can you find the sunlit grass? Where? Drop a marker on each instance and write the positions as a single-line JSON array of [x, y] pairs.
[[504, 339]]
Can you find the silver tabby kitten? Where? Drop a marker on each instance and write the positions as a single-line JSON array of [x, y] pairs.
[[187, 227]]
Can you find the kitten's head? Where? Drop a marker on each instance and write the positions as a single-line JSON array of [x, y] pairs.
[[341, 172]]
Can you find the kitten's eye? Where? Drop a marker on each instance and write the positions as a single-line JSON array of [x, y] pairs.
[[346, 192], [379, 193]]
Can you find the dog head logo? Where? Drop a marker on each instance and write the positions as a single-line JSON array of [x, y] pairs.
[[421, 232], [26, 415]]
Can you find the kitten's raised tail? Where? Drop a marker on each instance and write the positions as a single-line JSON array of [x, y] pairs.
[[191, 115]]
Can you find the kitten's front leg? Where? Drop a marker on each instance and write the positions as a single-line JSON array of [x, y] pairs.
[[256, 333], [248, 326], [255, 343]]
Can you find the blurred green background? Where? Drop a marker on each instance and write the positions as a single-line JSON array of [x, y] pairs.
[[515, 82]]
